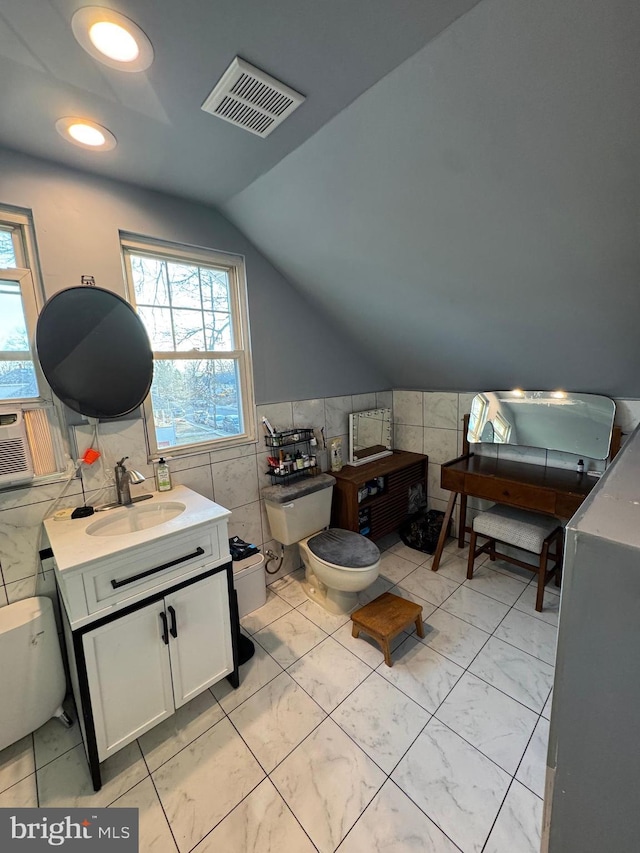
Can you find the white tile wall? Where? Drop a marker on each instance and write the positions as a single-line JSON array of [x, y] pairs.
[[232, 477], [424, 422]]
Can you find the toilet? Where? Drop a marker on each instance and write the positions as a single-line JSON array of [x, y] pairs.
[[33, 679], [338, 563]]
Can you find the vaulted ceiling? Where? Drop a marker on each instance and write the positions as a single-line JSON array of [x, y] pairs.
[[459, 192]]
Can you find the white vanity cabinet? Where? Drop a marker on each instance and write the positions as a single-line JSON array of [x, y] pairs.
[[150, 615], [144, 665]]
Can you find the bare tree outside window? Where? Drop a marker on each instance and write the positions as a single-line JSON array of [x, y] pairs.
[[190, 312]]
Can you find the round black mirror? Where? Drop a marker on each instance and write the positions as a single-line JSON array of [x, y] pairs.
[[94, 352]]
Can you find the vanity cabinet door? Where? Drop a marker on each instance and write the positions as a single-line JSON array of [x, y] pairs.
[[200, 636], [129, 677]]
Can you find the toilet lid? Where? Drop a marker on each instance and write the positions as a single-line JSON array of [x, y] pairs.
[[344, 548]]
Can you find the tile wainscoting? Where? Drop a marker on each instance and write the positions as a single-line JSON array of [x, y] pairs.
[[425, 422], [232, 477]]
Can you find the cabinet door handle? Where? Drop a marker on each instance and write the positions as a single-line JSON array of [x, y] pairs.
[[173, 630], [197, 553], [165, 633]]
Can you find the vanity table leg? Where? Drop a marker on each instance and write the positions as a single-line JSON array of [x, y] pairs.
[[462, 520], [443, 532]]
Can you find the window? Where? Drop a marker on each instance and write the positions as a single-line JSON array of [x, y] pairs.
[[22, 385], [501, 429], [477, 417], [18, 313], [193, 306]]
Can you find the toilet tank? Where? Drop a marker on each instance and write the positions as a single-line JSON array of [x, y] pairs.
[[299, 509]]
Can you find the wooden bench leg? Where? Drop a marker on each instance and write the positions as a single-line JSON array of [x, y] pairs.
[[492, 549], [472, 554], [355, 631], [542, 576], [387, 652], [419, 626]]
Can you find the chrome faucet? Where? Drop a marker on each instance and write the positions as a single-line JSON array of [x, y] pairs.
[[124, 478]]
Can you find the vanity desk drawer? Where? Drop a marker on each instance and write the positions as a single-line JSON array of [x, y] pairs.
[[143, 571], [513, 493]]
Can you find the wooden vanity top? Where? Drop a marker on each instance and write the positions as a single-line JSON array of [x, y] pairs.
[[555, 491], [398, 460]]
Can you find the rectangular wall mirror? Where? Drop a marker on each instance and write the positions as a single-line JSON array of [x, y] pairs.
[[555, 420], [369, 436]]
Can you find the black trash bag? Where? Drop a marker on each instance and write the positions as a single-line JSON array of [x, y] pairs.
[[422, 530]]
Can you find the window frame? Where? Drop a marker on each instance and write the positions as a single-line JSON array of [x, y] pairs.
[[234, 266], [27, 274], [479, 419], [501, 428]]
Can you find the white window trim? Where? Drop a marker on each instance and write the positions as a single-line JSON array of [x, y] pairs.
[[476, 430], [235, 264], [31, 306], [27, 275], [502, 429]]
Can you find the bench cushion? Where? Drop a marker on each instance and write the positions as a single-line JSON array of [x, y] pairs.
[[517, 527]]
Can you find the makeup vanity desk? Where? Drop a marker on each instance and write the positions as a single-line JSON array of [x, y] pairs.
[[553, 491]]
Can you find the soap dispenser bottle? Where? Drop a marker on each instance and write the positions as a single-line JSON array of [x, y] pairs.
[[163, 476]]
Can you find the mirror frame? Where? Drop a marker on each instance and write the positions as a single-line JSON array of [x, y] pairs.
[[353, 419]]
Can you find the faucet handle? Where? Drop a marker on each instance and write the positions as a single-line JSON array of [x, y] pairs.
[[121, 462]]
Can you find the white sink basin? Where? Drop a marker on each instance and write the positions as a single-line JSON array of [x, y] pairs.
[[134, 518]]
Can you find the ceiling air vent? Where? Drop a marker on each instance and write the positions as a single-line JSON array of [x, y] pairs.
[[249, 98]]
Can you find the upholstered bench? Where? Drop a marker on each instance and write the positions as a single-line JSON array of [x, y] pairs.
[[526, 531]]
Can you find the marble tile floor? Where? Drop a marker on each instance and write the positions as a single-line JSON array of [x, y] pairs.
[[325, 748]]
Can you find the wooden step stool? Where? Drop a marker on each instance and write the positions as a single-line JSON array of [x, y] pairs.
[[384, 618]]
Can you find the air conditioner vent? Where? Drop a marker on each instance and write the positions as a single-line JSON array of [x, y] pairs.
[[13, 457], [249, 98], [15, 460]]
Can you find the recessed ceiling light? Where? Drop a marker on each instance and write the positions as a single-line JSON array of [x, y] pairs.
[[86, 133], [114, 41], [112, 38]]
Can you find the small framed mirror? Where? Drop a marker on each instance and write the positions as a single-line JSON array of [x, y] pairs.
[[369, 436], [94, 352]]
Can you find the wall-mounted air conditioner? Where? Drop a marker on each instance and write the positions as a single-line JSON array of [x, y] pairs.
[[15, 459]]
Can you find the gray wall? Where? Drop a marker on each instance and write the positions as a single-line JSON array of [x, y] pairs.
[[482, 202], [297, 353]]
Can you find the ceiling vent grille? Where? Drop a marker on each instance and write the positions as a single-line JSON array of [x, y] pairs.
[[249, 98]]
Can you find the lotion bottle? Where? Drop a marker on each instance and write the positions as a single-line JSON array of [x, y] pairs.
[[163, 476]]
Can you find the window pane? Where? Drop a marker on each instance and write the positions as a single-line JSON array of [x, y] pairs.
[[7, 250], [188, 331], [13, 327], [149, 281], [219, 331], [195, 400], [184, 283], [215, 289], [157, 322], [17, 380]]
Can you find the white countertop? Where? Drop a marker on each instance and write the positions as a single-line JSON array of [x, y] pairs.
[[72, 546]]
